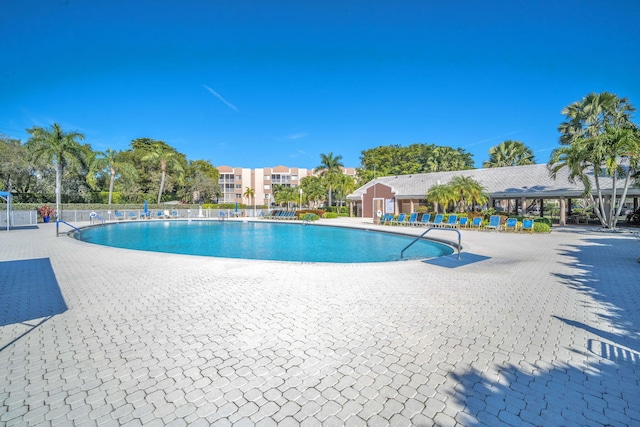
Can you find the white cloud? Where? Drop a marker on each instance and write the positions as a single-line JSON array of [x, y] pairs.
[[297, 135], [217, 95]]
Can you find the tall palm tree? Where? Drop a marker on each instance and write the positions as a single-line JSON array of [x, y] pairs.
[[165, 157], [330, 168], [598, 136], [614, 153], [588, 117], [250, 193], [109, 161], [346, 184], [62, 148], [509, 153]]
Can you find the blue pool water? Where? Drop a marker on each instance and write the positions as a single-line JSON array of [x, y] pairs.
[[262, 240]]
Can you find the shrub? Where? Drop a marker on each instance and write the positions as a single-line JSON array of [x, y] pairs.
[[317, 212], [308, 217], [543, 220], [330, 215], [541, 227]]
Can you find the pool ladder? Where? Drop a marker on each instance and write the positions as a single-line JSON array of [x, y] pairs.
[[428, 230]]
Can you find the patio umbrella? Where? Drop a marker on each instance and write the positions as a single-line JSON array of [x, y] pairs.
[[146, 208]]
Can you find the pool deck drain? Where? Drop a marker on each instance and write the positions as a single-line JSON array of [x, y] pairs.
[[524, 329]]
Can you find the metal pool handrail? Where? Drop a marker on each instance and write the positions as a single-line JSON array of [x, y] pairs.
[[64, 222], [428, 230]]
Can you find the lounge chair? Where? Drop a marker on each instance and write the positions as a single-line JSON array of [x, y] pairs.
[[386, 218], [132, 215], [527, 225], [494, 223], [413, 219], [119, 216], [512, 224], [399, 220], [451, 222], [159, 215], [476, 223], [437, 221], [425, 219], [463, 222]]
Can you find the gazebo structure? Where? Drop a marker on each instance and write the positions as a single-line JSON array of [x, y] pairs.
[[522, 184], [6, 196]]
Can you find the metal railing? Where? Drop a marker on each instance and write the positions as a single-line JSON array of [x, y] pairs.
[[428, 230], [64, 222]]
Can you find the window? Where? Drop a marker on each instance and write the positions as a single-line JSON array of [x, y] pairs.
[[267, 177], [238, 196], [267, 186], [294, 177], [239, 186], [238, 177]]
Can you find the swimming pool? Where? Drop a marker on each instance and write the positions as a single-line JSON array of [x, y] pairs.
[[262, 240]]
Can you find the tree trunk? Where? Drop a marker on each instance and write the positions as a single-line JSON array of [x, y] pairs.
[[111, 185], [161, 187]]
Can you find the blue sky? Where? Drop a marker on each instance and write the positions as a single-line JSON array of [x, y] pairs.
[[266, 83]]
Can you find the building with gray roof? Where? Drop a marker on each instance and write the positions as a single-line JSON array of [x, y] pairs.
[[404, 193]]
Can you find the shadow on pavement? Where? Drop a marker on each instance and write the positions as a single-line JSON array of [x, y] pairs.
[[452, 261], [28, 290], [599, 385]]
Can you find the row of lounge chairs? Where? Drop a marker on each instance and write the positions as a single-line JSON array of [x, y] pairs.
[[283, 215], [147, 215], [453, 221]]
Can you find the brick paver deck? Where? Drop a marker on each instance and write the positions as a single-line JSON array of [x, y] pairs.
[[524, 330]]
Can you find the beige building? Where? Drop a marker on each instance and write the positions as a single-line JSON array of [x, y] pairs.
[[234, 182]]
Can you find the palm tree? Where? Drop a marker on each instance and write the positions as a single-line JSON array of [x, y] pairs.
[[109, 161], [166, 157], [250, 193], [614, 153], [313, 189], [59, 147], [468, 190], [442, 159], [330, 168], [286, 195], [441, 195], [509, 153], [599, 137], [588, 117]]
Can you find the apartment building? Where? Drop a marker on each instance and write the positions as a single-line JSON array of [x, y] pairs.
[[234, 182]]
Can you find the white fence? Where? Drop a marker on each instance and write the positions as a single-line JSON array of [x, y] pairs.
[[18, 218], [24, 218]]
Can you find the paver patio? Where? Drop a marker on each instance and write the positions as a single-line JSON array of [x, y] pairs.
[[523, 330]]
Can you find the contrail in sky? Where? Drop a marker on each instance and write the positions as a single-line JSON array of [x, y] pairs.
[[217, 95], [492, 138]]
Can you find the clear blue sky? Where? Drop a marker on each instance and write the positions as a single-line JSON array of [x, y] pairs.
[[265, 83]]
